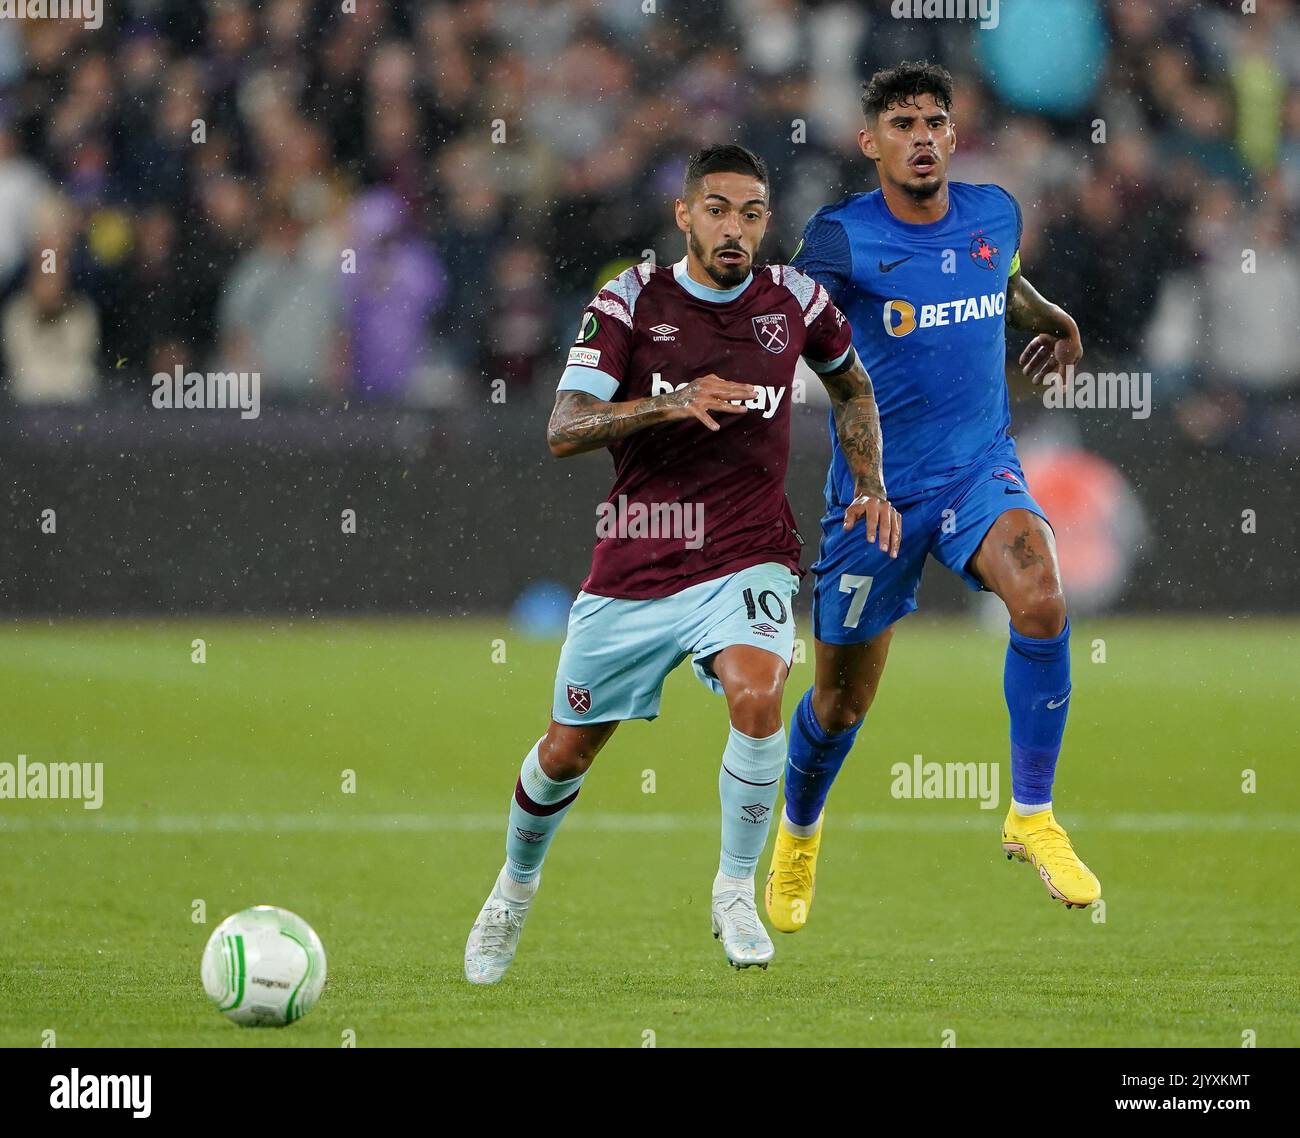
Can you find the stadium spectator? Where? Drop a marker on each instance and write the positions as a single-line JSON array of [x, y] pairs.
[[148, 302], [23, 186], [279, 312], [1058, 83], [516, 339], [217, 233], [50, 330], [1251, 292], [390, 298]]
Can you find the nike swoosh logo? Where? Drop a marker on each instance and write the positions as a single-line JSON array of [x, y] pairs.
[[1008, 490], [894, 264], [1053, 704]]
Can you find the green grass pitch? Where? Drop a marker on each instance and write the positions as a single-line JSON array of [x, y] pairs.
[[223, 785]]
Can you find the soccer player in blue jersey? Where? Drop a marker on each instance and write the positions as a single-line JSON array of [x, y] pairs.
[[928, 273]]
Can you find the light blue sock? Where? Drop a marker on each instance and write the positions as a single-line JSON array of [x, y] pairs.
[[539, 806], [748, 785]]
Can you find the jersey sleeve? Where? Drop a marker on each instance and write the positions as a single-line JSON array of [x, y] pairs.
[[828, 340], [1020, 232], [597, 362], [829, 346], [823, 253]]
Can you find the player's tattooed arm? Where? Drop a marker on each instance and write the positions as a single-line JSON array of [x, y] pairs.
[[857, 425], [1057, 343], [581, 422]]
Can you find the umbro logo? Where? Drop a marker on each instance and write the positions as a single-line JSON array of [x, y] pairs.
[[664, 332], [756, 812], [889, 268], [764, 629], [529, 835]]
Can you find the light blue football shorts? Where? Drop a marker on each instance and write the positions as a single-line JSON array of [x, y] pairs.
[[617, 653]]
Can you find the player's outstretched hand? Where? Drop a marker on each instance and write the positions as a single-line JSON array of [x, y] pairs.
[[709, 393], [884, 524], [1047, 355]]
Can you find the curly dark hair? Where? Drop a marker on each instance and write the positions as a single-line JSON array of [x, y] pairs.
[[903, 84]]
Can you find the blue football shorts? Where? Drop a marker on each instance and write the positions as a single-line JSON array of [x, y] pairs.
[[859, 591]]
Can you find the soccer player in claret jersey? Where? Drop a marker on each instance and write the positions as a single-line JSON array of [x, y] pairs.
[[928, 271], [697, 553]]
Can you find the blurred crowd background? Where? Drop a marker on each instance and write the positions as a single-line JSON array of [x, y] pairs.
[[199, 178]]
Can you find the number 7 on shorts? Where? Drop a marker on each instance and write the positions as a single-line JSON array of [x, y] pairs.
[[860, 587]]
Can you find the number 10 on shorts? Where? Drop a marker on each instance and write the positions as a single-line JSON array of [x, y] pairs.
[[751, 610], [859, 586]]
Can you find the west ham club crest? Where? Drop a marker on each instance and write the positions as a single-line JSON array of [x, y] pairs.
[[772, 332]]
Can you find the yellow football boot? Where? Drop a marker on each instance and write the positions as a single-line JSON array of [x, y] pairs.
[[792, 878], [1040, 840]]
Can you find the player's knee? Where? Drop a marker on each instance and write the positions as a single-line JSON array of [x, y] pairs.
[[756, 707], [563, 759], [1039, 611], [839, 709]]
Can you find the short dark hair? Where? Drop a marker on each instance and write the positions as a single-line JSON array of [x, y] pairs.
[[904, 83], [726, 158]]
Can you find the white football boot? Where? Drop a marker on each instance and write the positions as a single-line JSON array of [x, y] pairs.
[[736, 924], [490, 949]]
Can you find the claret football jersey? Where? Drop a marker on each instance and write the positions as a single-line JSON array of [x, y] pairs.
[[689, 504]]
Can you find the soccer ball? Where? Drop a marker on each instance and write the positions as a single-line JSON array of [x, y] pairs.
[[264, 967]]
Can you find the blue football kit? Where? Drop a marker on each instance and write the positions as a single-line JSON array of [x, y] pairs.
[[927, 303]]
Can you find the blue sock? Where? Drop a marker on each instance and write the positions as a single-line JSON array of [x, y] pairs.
[[815, 759], [539, 806], [748, 784], [1037, 687]]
